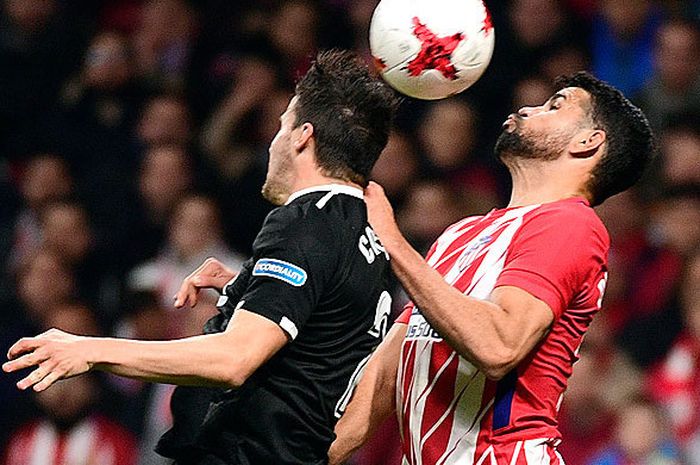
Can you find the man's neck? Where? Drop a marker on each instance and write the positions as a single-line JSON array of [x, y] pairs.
[[537, 182], [317, 179]]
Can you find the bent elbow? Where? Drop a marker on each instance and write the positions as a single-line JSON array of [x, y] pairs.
[[235, 378], [498, 366]]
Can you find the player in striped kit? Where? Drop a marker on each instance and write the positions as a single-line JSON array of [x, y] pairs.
[[480, 359]]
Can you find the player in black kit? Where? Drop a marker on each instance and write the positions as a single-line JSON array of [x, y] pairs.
[[276, 367]]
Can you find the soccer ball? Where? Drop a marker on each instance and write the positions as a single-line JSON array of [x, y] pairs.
[[431, 49]]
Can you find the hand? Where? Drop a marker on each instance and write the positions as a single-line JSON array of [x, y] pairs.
[[56, 354], [380, 216], [211, 274]]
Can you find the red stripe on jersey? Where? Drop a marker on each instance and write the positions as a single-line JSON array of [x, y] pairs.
[[553, 456], [436, 424], [407, 377]]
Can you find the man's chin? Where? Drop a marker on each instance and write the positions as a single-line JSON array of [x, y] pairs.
[[274, 196]]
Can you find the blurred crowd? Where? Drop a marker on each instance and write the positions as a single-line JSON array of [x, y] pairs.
[[133, 145]]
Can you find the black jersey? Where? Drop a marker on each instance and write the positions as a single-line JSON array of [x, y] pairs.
[[319, 272]]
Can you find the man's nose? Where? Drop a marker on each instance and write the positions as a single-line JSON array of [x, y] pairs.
[[525, 112]]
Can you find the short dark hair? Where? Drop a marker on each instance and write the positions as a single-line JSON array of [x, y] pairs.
[[351, 112], [630, 141]]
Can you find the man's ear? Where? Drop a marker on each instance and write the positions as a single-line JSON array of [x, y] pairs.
[[586, 143], [301, 137]]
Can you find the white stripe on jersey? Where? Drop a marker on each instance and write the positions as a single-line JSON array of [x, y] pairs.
[[466, 405], [416, 394]]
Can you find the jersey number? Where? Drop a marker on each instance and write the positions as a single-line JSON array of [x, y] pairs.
[[378, 330]]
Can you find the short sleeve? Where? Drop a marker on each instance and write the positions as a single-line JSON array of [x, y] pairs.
[[293, 260], [554, 253]]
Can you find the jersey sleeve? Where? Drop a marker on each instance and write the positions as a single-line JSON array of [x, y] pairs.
[[294, 257], [554, 253]]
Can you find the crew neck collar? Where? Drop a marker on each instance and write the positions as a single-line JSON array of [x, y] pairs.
[[334, 188]]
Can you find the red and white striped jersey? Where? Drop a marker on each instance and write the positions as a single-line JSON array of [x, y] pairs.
[[449, 412]]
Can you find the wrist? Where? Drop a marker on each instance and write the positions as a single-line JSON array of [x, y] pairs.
[[96, 352]]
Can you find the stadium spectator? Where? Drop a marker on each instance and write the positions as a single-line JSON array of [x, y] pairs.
[[71, 430], [165, 176], [45, 179], [623, 43], [640, 438], [165, 120], [602, 382], [675, 382], [448, 139], [398, 166], [145, 408], [293, 31], [43, 281], [680, 151], [194, 234], [530, 90], [675, 86], [38, 50], [430, 206], [163, 42]]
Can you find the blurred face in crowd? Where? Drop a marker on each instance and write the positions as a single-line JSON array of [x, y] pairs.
[[74, 318], [165, 120], [564, 60], [107, 65], [42, 283], [194, 226], [690, 296], [30, 15], [535, 30], [531, 91], [681, 157], [545, 132], [280, 170], [293, 29], [626, 17], [46, 179], [163, 21], [165, 177], [69, 400], [639, 430], [678, 55], [448, 133], [66, 230], [397, 166], [676, 223], [430, 207]]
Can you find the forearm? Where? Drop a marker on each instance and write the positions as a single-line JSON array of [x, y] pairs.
[[477, 329], [373, 401], [199, 361]]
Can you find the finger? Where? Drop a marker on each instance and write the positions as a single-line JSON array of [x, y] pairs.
[[48, 380], [33, 378], [26, 344], [375, 188], [192, 295], [181, 296], [23, 362]]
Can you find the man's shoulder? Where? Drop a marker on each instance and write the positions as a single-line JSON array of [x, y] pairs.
[[569, 214], [311, 217]]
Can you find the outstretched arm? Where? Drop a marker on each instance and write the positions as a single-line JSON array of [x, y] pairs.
[[372, 402], [223, 359], [495, 334]]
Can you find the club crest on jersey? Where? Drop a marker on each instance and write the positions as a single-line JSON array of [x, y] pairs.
[[471, 252], [278, 269]]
